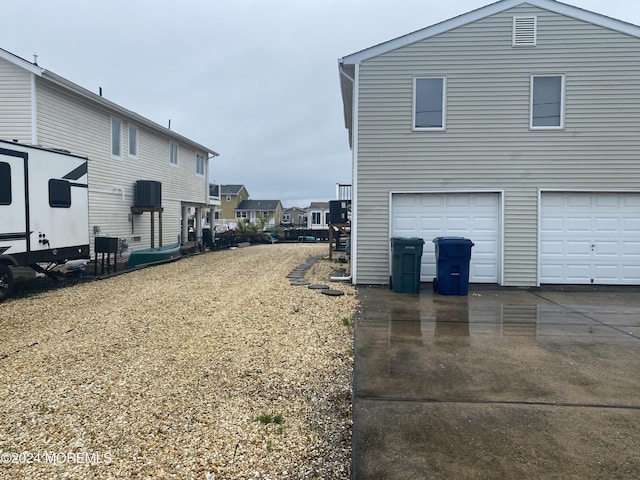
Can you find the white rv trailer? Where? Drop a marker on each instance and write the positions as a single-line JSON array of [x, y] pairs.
[[44, 209]]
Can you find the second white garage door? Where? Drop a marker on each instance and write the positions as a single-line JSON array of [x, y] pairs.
[[590, 238], [472, 215]]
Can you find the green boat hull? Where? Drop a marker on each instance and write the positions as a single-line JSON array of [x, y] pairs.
[[149, 256]]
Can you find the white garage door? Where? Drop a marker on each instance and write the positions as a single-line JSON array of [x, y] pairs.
[[590, 238], [471, 215]]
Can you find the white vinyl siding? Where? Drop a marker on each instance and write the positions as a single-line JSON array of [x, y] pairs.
[[488, 143], [429, 103], [547, 101], [15, 103]]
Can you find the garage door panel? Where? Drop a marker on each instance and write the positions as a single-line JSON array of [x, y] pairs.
[[458, 201], [424, 201], [577, 225], [554, 224], [408, 201], [580, 200], [590, 238], [552, 248], [577, 248], [607, 224], [473, 216]]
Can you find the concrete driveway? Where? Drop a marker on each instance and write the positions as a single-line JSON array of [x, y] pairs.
[[500, 384]]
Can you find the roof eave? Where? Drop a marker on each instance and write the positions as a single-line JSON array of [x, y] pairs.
[[87, 94], [486, 11]]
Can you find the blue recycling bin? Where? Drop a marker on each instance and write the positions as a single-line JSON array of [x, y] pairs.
[[405, 264], [453, 255]]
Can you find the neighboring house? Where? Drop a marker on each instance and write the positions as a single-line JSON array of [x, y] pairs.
[[252, 210], [318, 216], [515, 125], [294, 217], [38, 107], [230, 197]]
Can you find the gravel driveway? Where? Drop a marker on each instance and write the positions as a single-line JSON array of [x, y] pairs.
[[212, 367]]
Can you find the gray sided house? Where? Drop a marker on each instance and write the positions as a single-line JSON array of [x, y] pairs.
[[38, 107], [294, 217], [516, 125], [252, 210]]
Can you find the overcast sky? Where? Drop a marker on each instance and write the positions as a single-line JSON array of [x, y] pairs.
[[254, 80]]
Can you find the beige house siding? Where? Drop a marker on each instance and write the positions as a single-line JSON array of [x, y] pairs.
[[15, 103], [487, 144], [228, 208]]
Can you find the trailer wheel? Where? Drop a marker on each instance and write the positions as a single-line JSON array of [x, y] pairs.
[[6, 282]]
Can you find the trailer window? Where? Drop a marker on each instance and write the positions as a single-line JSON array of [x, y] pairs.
[[59, 193], [5, 183]]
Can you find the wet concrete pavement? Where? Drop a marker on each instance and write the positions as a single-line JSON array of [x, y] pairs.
[[500, 384]]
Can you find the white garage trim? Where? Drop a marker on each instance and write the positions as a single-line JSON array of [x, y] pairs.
[[474, 214], [589, 237]]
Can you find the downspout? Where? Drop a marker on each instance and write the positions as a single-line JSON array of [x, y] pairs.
[[354, 166]]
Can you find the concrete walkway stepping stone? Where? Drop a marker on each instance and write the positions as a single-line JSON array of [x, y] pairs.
[[332, 293], [299, 282], [318, 287]]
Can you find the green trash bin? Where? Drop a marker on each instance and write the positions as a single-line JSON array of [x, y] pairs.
[[405, 264]]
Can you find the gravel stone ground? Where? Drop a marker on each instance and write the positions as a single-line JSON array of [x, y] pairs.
[[212, 367]]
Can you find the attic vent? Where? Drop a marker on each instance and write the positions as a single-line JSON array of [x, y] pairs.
[[525, 31]]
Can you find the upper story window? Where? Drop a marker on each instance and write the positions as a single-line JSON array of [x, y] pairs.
[[133, 141], [5, 183], [547, 101], [316, 218], [173, 153], [228, 198], [116, 137], [199, 164], [429, 103]]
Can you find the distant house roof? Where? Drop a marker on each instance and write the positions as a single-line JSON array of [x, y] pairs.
[[319, 205], [293, 209], [95, 98], [264, 205], [231, 189]]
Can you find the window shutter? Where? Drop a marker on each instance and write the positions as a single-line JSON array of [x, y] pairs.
[[525, 31]]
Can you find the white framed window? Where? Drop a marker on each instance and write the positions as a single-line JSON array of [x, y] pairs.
[[200, 164], [173, 153], [116, 137], [241, 214], [133, 141], [429, 103], [547, 102], [316, 219], [228, 198]]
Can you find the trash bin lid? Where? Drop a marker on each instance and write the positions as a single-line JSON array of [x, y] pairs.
[[407, 240], [452, 241]]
